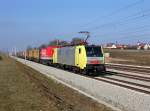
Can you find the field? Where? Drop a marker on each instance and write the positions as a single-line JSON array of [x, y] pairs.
[[24, 89], [134, 57]]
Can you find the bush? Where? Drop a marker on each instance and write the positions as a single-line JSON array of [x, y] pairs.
[[0, 58]]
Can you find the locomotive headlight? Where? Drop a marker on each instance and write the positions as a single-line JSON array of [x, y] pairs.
[[94, 62]]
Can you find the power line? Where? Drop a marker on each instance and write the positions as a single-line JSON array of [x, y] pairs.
[[122, 20], [135, 17], [125, 33], [116, 12], [135, 37]]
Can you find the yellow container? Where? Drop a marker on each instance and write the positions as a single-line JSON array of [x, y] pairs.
[[36, 53]]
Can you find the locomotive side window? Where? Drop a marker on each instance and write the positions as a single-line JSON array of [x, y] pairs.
[[79, 50]]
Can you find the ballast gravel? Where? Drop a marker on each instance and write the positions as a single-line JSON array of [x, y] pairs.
[[118, 97]]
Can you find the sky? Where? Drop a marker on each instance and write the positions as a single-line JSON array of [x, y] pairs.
[[34, 22]]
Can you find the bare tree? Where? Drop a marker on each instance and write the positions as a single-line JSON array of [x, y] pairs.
[[58, 43], [63, 43], [29, 47], [43, 46], [53, 42]]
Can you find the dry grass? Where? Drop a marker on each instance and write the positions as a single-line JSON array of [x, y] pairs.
[[24, 89], [130, 57]]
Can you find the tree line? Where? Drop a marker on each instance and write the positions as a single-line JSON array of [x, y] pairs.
[[58, 42]]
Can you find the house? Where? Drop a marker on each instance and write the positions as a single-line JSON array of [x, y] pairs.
[[111, 46], [146, 46]]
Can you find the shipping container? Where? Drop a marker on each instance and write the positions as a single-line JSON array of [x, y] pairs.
[[36, 55], [46, 54], [31, 52]]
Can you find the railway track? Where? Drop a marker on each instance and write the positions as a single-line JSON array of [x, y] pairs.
[[136, 69], [121, 83], [107, 77], [130, 76], [131, 68], [128, 82], [140, 76], [126, 86]]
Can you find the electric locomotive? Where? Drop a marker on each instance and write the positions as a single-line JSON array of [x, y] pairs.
[[82, 58]]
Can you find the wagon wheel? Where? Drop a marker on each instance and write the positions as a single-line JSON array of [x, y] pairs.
[[85, 72]]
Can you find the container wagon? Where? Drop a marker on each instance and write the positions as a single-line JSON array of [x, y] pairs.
[[31, 52], [46, 55], [36, 55]]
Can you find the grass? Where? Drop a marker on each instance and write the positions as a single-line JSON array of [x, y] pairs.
[[24, 89], [134, 57]]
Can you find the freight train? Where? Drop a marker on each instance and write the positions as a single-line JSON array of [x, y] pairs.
[[85, 59]]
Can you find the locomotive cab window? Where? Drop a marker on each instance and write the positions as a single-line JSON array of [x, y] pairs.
[[93, 51]]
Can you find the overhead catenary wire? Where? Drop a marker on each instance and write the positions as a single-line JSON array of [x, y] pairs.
[[138, 30], [117, 34], [114, 12], [127, 31], [142, 14], [124, 34], [109, 15], [121, 21]]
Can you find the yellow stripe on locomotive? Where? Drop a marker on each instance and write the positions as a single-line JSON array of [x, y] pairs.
[[80, 57]]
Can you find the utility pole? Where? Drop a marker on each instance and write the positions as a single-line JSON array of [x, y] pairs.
[[25, 55], [15, 51]]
